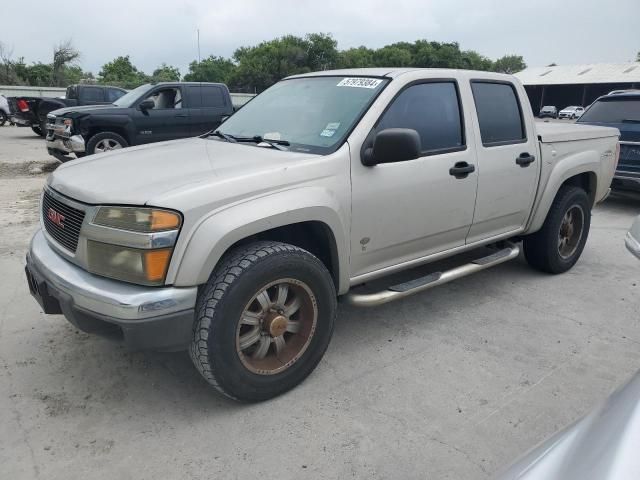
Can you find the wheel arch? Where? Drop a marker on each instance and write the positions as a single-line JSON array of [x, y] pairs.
[[316, 226], [581, 175]]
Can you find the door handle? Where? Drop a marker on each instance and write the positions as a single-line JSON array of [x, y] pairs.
[[462, 170], [524, 160]]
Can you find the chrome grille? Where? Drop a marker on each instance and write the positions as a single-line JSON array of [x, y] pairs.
[[67, 230]]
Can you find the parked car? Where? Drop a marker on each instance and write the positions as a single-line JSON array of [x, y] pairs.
[[602, 445], [4, 110], [32, 111], [150, 113], [571, 112], [548, 111], [621, 111], [237, 243], [632, 240]]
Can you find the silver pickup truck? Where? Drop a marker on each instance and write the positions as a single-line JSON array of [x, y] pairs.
[[237, 244]]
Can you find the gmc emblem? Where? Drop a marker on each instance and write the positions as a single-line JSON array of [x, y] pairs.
[[55, 217]]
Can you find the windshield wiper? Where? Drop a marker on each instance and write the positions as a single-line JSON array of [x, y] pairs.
[[630, 120], [279, 144], [224, 136]]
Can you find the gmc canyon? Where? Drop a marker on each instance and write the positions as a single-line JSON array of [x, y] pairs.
[[237, 244]]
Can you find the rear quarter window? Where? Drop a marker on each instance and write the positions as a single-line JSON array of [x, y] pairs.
[[212, 97], [499, 113], [92, 94], [613, 111]]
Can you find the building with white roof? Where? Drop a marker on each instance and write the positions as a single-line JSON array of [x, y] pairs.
[[564, 85]]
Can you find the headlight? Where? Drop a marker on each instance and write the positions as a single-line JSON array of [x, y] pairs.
[[145, 267], [146, 220], [136, 247]]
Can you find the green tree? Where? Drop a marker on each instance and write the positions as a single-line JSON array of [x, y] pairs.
[[121, 72], [211, 69], [38, 74], [322, 51], [166, 73], [360, 57], [509, 64]]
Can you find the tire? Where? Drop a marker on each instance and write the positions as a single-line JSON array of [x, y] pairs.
[[230, 300], [555, 248], [3, 118], [105, 141], [36, 129]]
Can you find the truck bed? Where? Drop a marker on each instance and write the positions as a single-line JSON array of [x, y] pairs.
[[557, 132]]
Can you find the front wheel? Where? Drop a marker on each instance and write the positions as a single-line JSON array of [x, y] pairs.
[[105, 142], [37, 130], [263, 321], [557, 246], [3, 118]]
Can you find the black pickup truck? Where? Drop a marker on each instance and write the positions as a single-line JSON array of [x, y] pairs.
[[149, 113], [32, 111]]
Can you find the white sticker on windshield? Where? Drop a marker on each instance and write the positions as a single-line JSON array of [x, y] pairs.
[[327, 133], [333, 126], [359, 82]]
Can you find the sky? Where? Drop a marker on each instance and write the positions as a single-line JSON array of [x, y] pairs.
[[156, 31]]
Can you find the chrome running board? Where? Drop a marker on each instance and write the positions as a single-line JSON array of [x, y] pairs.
[[395, 292]]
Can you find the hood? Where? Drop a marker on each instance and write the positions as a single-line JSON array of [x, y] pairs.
[[70, 111], [136, 175]]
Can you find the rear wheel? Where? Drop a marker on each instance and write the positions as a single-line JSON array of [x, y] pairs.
[[105, 142], [3, 118], [557, 246], [264, 320]]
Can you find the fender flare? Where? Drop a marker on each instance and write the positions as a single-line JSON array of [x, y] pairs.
[[209, 239], [582, 162]]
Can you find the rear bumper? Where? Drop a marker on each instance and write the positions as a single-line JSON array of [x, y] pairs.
[[24, 119], [143, 317], [624, 182]]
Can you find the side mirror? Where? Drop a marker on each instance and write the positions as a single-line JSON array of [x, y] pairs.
[[393, 145], [147, 104]]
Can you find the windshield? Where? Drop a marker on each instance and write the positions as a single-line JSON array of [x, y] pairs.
[[613, 111], [128, 98], [313, 114]]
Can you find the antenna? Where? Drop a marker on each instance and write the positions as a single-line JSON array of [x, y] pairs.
[[198, 30]]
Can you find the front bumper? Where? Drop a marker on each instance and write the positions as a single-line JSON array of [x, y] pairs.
[[73, 144], [159, 318]]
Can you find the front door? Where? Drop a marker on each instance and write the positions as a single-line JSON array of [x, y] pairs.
[[167, 120], [407, 210], [507, 159]]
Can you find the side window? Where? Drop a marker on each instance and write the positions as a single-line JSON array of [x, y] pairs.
[[166, 99], [499, 113], [212, 97], [114, 94], [433, 110], [193, 94], [93, 94]]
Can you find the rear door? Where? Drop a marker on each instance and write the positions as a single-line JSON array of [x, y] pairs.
[[507, 159], [210, 106], [91, 95]]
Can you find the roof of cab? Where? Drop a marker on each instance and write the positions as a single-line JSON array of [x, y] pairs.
[[393, 72]]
